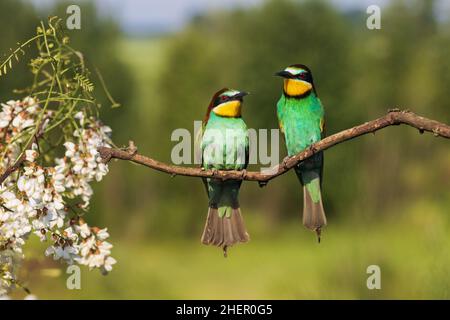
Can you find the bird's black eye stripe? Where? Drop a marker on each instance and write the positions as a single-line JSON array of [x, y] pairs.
[[304, 76], [221, 99], [224, 98]]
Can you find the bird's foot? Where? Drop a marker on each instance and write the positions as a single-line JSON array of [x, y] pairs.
[[243, 174], [312, 149]]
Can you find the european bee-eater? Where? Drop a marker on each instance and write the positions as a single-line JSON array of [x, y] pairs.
[[225, 146], [301, 120]]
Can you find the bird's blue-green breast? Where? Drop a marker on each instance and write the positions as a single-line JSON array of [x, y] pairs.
[[301, 121], [225, 143]]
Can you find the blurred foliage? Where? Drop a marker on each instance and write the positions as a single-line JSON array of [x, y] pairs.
[[387, 196], [12, 33], [359, 75]]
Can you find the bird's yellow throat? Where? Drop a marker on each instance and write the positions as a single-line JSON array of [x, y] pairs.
[[294, 87], [228, 109]]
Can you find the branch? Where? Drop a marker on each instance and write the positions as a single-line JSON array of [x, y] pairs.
[[394, 117]]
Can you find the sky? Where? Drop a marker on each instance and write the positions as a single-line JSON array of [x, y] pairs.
[[144, 16]]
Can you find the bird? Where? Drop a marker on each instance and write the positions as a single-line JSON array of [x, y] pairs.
[[301, 120], [224, 146]]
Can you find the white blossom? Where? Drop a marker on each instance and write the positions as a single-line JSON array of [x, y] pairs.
[[30, 155], [84, 230], [37, 198]]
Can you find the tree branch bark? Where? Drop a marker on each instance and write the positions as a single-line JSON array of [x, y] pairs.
[[394, 117]]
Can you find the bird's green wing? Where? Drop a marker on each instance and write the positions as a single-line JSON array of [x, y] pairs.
[[322, 135], [198, 142]]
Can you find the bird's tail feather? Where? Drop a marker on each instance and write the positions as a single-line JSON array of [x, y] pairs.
[[224, 230], [313, 214]]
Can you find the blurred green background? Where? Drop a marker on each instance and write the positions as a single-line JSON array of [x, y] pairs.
[[387, 195]]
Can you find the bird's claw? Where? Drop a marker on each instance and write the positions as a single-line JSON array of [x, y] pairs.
[[243, 174], [312, 149]]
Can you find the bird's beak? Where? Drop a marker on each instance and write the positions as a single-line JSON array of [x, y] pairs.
[[241, 94], [283, 74]]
